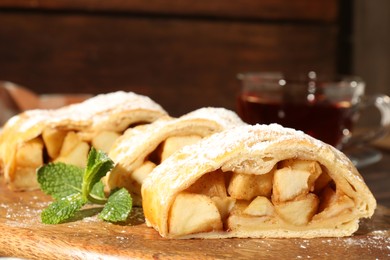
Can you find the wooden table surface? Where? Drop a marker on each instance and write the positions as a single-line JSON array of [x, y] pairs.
[[22, 234]]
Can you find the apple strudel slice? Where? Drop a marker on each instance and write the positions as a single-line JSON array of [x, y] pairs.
[[35, 137], [140, 149], [256, 181]]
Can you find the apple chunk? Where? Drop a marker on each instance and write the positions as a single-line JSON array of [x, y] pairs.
[[210, 184], [298, 212], [134, 182], [143, 171], [71, 140], [289, 183], [239, 219], [174, 143], [260, 206], [193, 213], [311, 167], [74, 150], [120, 177], [248, 186], [53, 139], [104, 140], [224, 205], [30, 154]]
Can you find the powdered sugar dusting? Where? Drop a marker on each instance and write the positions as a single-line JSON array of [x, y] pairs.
[[224, 117], [117, 101], [92, 110], [216, 119], [23, 213], [249, 148], [251, 138], [376, 246]]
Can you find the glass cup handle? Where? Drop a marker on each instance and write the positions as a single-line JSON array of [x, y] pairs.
[[382, 103]]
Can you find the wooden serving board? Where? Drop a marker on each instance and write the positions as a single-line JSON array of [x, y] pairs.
[[23, 235]]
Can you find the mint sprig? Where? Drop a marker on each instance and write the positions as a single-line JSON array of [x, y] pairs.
[[60, 180], [62, 209], [117, 207], [73, 187], [98, 165]]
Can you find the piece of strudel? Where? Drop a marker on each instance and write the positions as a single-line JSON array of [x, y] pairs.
[[140, 149], [35, 137], [256, 181]]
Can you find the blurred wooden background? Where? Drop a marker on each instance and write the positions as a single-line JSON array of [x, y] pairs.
[[183, 54], [371, 42]]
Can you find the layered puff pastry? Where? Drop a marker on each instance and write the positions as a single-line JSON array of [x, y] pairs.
[[35, 137], [256, 181], [137, 152]]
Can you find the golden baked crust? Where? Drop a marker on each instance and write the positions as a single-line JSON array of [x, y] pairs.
[[141, 148], [300, 203], [112, 112]]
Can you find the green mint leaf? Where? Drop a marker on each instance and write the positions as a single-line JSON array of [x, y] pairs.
[[60, 180], [62, 209], [98, 165], [98, 191], [118, 206], [92, 158], [72, 187], [97, 195]]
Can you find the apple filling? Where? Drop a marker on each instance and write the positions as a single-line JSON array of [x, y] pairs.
[[71, 147], [295, 194], [132, 179], [55, 145]]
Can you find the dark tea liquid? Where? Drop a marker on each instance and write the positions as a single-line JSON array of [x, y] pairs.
[[323, 121]]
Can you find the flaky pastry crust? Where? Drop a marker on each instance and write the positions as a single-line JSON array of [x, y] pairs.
[[256, 151], [136, 147], [105, 112]]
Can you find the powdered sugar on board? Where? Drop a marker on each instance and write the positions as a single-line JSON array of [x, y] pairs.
[[23, 212]]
